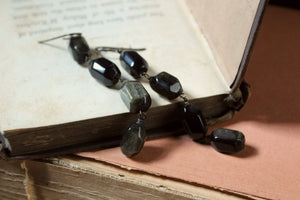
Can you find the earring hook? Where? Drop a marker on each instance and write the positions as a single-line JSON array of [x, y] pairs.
[[61, 36], [117, 49]]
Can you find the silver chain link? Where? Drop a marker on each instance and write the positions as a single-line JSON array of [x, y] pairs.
[[142, 116], [184, 98], [145, 75]]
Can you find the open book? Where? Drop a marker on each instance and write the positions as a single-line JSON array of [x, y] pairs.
[[49, 102]]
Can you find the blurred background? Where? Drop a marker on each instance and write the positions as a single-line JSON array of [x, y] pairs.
[[287, 3]]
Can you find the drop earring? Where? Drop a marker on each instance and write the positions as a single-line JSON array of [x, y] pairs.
[[133, 94], [169, 87], [223, 140], [135, 97]]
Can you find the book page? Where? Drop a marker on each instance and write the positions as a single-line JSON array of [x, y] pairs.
[[42, 85], [227, 30]]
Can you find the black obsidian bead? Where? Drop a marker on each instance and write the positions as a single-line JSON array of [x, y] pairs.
[[105, 71], [194, 123], [80, 49], [227, 141], [166, 85], [133, 63], [133, 140]]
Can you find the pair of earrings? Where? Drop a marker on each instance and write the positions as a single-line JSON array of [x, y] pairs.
[[138, 100]]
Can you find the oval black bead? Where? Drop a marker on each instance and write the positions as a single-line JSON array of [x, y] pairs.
[[80, 49], [194, 123], [105, 71], [166, 85], [133, 63], [227, 141], [133, 140]]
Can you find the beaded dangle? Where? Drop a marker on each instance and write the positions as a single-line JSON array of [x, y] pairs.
[[133, 94], [169, 87], [223, 140]]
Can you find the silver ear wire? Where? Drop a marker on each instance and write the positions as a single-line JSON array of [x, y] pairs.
[[97, 49], [61, 36], [117, 49]]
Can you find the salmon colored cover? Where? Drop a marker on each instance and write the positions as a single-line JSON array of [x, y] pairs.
[[269, 166]]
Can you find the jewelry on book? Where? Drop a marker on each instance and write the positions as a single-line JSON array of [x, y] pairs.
[[137, 99], [168, 86], [133, 94], [223, 140]]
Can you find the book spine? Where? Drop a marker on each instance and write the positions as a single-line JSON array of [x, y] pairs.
[[104, 133]]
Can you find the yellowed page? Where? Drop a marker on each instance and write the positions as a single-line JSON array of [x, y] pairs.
[[42, 85], [226, 26]]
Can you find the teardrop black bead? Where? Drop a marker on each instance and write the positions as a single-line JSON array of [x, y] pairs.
[[133, 63], [227, 141], [105, 71], [166, 85], [79, 49], [194, 123], [133, 140]]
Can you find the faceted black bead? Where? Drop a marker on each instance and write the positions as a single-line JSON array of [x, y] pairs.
[[166, 85], [105, 71], [79, 49], [227, 141], [133, 63], [194, 123], [133, 140]]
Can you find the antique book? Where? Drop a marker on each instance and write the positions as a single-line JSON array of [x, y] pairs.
[[50, 105], [176, 167], [79, 178]]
